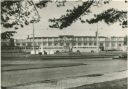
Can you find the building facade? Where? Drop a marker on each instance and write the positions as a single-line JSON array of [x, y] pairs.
[[64, 43]]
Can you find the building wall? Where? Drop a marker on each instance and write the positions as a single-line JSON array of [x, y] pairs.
[[71, 43], [114, 43]]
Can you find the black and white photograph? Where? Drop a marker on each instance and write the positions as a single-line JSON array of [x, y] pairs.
[[64, 44]]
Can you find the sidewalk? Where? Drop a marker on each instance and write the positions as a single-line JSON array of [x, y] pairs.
[[75, 82]]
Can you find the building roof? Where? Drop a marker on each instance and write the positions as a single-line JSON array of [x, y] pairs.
[[64, 36]]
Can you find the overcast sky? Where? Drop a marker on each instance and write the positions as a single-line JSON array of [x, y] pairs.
[[77, 28]]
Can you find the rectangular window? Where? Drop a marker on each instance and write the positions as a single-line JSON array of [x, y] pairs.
[[85, 43], [90, 39], [29, 44], [44, 43], [74, 44], [119, 44], [55, 39], [24, 44], [113, 44], [79, 39], [101, 44], [94, 39], [85, 39], [17, 44], [95, 43], [107, 44], [50, 43], [113, 39], [61, 44], [79, 44], [55, 44], [67, 44], [90, 44]]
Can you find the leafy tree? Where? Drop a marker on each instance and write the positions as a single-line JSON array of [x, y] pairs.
[[109, 16], [73, 15], [7, 34], [17, 13]]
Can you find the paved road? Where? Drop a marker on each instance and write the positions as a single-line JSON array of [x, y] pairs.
[[26, 76], [78, 82]]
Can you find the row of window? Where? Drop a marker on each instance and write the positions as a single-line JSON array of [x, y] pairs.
[[79, 38], [53, 47], [84, 47], [113, 44], [15, 48], [55, 44], [68, 40], [67, 44], [12, 48]]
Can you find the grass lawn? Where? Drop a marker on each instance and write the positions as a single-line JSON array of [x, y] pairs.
[[115, 84]]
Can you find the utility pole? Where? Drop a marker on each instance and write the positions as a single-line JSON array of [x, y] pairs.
[[33, 39], [97, 38]]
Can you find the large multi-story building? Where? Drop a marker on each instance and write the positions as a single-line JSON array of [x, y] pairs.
[[64, 43], [71, 43]]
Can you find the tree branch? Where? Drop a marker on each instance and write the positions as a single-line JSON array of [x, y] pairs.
[[69, 18]]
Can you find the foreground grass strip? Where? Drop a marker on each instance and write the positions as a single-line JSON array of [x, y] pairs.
[[19, 68], [115, 84]]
